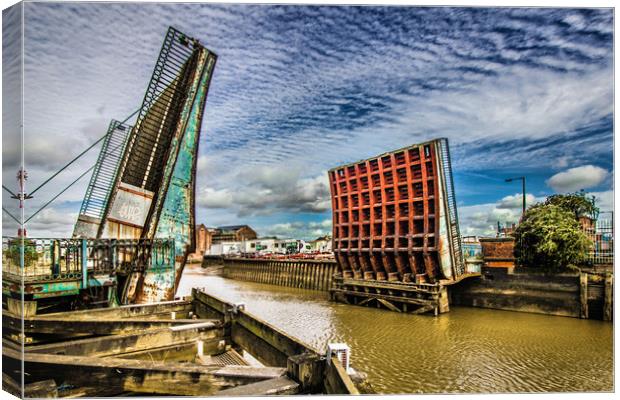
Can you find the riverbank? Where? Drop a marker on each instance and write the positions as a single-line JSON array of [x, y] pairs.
[[467, 350]]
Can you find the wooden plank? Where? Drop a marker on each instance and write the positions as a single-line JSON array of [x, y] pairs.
[[307, 369], [95, 327], [408, 287], [41, 389], [259, 348], [609, 292], [388, 304], [11, 385], [127, 311], [272, 335], [216, 304], [177, 352], [276, 386], [120, 375], [387, 297], [336, 379], [423, 309], [583, 295], [130, 342]]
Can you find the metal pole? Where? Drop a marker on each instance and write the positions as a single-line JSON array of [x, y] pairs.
[[522, 178], [524, 206]]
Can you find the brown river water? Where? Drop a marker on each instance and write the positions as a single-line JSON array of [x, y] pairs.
[[468, 350]]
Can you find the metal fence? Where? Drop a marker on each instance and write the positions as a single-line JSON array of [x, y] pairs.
[[69, 258], [602, 235]]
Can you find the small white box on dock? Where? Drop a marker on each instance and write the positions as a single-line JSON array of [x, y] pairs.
[[342, 352]]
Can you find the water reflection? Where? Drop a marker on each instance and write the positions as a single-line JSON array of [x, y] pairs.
[[467, 350]]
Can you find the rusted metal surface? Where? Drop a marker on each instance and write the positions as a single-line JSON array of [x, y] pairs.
[[173, 214], [394, 216], [148, 190], [147, 349], [62, 267], [102, 180], [303, 274], [498, 252]]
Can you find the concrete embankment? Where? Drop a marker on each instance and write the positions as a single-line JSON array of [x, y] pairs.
[[193, 347], [585, 295], [301, 274]]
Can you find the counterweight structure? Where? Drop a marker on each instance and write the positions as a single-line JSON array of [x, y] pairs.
[[145, 187], [395, 217]]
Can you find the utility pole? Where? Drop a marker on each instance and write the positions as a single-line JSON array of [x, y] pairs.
[[522, 178]]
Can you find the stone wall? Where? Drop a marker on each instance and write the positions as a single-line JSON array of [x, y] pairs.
[[530, 291]]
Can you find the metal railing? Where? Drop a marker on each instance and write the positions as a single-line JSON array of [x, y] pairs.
[[453, 224], [60, 259], [601, 233], [106, 169]]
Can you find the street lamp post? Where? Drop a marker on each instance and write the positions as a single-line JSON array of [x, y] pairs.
[[522, 178]]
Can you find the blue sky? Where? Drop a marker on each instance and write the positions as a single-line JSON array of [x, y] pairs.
[[300, 89]]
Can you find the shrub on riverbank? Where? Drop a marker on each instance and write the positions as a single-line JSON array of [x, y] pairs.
[[549, 237], [576, 203]]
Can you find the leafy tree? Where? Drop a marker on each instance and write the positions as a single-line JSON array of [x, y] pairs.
[[550, 238], [30, 252], [577, 203]]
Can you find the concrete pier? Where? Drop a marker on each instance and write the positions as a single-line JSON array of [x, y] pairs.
[[301, 274], [141, 349], [586, 295]]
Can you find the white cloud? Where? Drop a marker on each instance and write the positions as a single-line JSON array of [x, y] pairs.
[[515, 202], [211, 198], [604, 200], [300, 230], [577, 178], [264, 190], [354, 86], [481, 219], [52, 222]]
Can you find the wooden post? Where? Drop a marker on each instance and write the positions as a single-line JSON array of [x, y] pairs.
[[583, 294], [307, 369], [609, 291]]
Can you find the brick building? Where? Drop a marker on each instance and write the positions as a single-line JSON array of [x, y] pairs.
[[204, 238], [233, 233]]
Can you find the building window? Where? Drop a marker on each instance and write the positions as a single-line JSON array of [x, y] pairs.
[[252, 245]]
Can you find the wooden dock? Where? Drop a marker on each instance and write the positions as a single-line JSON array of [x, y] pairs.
[[189, 347], [343, 286], [300, 274]]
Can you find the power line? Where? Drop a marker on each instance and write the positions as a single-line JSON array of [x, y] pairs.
[[11, 215], [58, 195], [75, 181], [79, 155], [9, 190]]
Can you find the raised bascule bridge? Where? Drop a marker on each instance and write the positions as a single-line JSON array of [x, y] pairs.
[[396, 237], [395, 230], [136, 224], [102, 303]]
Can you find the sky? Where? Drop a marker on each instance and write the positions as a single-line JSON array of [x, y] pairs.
[[298, 90]]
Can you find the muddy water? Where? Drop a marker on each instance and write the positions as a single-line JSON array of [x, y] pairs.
[[467, 350]]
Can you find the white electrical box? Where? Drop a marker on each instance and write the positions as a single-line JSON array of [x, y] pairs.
[[342, 353]]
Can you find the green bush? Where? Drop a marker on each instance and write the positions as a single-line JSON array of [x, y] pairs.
[[550, 238], [577, 203], [30, 252]]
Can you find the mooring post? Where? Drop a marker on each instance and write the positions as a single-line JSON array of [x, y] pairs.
[[307, 369], [609, 291], [200, 348], [583, 294], [84, 264]]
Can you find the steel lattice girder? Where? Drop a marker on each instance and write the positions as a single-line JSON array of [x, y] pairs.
[[394, 215]]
